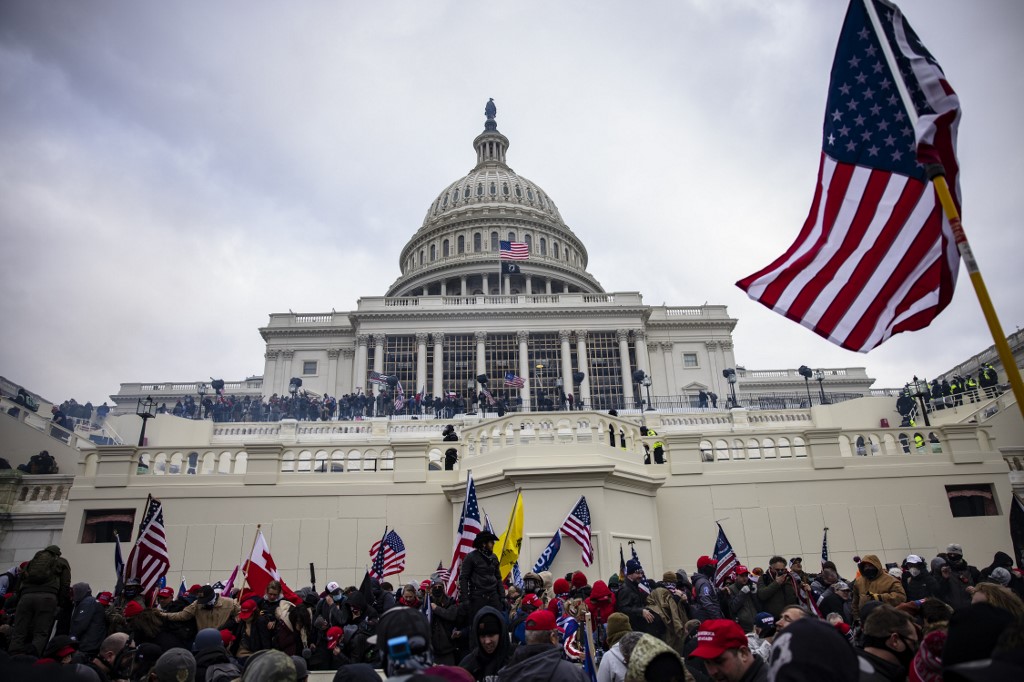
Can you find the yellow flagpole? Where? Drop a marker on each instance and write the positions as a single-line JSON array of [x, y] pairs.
[[987, 309]]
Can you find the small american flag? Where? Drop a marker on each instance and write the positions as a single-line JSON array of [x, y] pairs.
[[571, 640], [824, 546], [399, 396], [441, 573], [148, 561], [487, 394], [577, 526], [725, 558], [469, 528], [378, 378], [514, 380], [388, 556], [513, 250], [643, 585]]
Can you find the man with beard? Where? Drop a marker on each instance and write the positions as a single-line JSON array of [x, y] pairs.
[[889, 644], [480, 578], [630, 601], [491, 648], [541, 658]]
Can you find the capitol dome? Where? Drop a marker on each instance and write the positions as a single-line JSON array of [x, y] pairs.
[[455, 251]]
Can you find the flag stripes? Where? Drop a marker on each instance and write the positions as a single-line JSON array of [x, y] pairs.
[[389, 556], [513, 250], [148, 561], [469, 528], [577, 526]]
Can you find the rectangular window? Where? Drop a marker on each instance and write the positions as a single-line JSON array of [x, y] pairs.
[[690, 360], [975, 499], [101, 524], [309, 367]]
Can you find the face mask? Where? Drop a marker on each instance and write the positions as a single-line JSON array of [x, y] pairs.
[[870, 572], [915, 572], [905, 657]]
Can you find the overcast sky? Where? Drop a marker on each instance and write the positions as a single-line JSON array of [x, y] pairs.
[[173, 172]]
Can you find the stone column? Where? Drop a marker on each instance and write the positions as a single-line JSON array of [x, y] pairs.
[[547, 285], [346, 376], [462, 280], [269, 372], [529, 284], [486, 287], [425, 291], [444, 288], [286, 369], [670, 368], [643, 359], [481, 353], [524, 366], [359, 370], [378, 358], [421, 362], [508, 285], [332, 371], [439, 361], [627, 370], [714, 369], [565, 287], [563, 336], [584, 366]]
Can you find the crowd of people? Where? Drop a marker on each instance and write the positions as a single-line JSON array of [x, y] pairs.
[[942, 619]]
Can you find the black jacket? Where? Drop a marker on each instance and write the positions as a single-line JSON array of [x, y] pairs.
[[543, 663], [89, 624], [479, 664], [480, 579], [631, 601]]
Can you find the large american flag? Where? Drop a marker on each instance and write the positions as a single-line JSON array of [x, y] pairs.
[[388, 556], [148, 561], [577, 526], [513, 380], [513, 250], [469, 528], [725, 558], [876, 256]]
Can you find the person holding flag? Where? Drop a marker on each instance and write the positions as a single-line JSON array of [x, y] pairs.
[[631, 601]]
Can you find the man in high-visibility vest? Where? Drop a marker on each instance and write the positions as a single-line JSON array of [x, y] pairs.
[[659, 452], [972, 388], [919, 442]]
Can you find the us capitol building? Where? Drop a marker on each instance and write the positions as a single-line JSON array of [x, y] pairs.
[[775, 471]]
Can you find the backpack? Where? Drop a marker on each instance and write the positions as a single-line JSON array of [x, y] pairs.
[[41, 569]]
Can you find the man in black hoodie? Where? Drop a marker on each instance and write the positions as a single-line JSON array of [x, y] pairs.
[[541, 659], [491, 647], [88, 619]]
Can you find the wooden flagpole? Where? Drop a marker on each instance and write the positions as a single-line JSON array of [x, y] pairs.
[[245, 564], [937, 174]]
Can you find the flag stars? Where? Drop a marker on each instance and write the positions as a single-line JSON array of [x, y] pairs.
[[900, 116], [890, 141], [886, 83], [851, 146], [869, 94], [854, 62], [871, 51], [907, 132], [883, 125], [897, 155], [876, 110], [860, 78], [844, 131], [851, 105], [866, 136], [877, 67], [844, 88], [872, 150], [831, 139], [859, 120], [837, 115], [893, 99]]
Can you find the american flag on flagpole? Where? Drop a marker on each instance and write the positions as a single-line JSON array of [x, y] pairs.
[[876, 255], [469, 528], [377, 378], [513, 380], [399, 396], [513, 250], [388, 556], [725, 558], [441, 573], [577, 526], [824, 546], [148, 561], [643, 585], [487, 394]]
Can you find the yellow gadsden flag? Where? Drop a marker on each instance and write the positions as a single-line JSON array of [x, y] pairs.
[[508, 545]]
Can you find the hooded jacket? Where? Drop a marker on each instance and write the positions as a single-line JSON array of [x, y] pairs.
[[88, 620], [480, 664], [480, 578], [541, 663], [645, 651], [600, 603], [883, 588], [666, 607]]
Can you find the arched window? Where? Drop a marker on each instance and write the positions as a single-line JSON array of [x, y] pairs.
[[494, 241], [519, 192], [444, 202], [462, 244], [444, 249], [421, 257], [543, 246], [479, 189], [494, 189], [529, 242], [555, 247], [504, 188], [512, 236], [466, 192], [455, 196], [477, 242], [433, 252]]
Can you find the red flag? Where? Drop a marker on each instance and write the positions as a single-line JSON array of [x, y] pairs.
[[876, 256], [260, 569]]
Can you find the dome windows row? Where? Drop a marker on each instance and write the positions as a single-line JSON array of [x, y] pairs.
[[490, 189], [545, 249]]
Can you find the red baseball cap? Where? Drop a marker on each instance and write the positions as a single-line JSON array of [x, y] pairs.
[[248, 608], [132, 609], [705, 561], [717, 636], [334, 636], [532, 600], [542, 619], [195, 589], [425, 585], [104, 598], [165, 592], [741, 569], [227, 637]]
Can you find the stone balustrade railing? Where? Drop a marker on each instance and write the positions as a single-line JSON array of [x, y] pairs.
[[413, 455], [24, 493], [42, 422]]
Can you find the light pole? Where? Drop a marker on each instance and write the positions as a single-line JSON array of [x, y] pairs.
[[647, 384], [730, 375], [920, 392], [806, 373], [147, 410], [820, 376], [201, 390]]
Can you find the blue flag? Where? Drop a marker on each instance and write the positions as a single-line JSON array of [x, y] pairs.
[[182, 590], [517, 575], [548, 555]]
